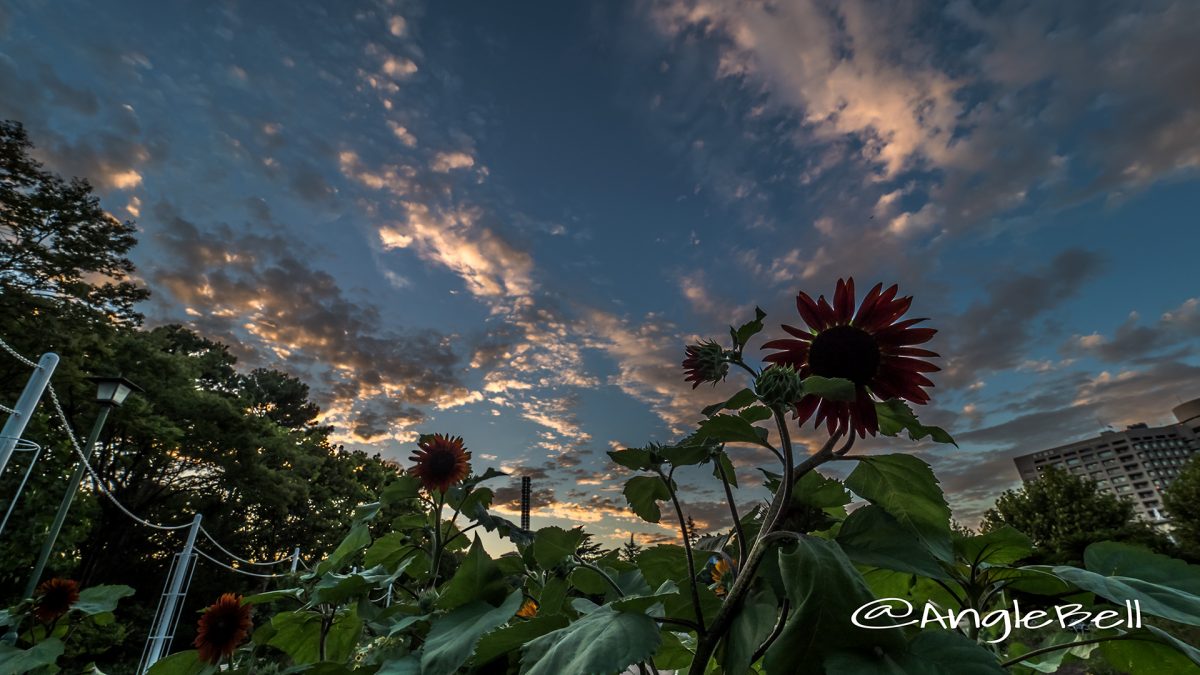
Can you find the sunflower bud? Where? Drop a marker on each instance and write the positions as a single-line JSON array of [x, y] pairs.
[[705, 362], [779, 386]]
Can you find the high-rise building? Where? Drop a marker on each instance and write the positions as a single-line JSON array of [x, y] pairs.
[[1137, 463]]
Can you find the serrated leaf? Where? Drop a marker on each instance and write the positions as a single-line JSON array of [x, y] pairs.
[[1155, 598], [604, 641], [750, 626], [477, 578], [272, 596], [1151, 651], [831, 388], [644, 493], [509, 639], [638, 459], [44, 653], [552, 544], [870, 536], [729, 429], [825, 590], [748, 329], [403, 488], [688, 455], [896, 416], [356, 540], [452, 638], [723, 463], [1002, 546], [100, 599], [755, 413], [298, 634], [739, 400], [931, 652], [906, 488]]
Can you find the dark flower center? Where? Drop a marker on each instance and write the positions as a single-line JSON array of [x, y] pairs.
[[844, 351], [442, 463]]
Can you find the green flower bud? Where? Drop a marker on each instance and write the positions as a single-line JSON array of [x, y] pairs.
[[779, 386]]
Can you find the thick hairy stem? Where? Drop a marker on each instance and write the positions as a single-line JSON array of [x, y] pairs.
[[706, 644], [438, 545], [737, 521], [784, 496], [687, 549]]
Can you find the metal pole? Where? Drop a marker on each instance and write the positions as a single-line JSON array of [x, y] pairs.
[[15, 425], [65, 506], [162, 628], [526, 490], [295, 559]]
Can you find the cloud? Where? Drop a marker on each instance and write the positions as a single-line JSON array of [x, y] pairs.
[[254, 292], [1133, 341], [444, 162], [996, 333]]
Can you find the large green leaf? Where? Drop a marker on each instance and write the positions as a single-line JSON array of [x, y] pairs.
[[638, 459], [662, 563], [180, 663], [644, 493], [1112, 559], [931, 652], [689, 454], [508, 640], [723, 465], [832, 388], [896, 416], [604, 641], [1002, 546], [388, 550], [44, 653], [356, 540], [730, 429], [736, 402], [100, 599], [906, 488], [403, 488], [552, 544], [1151, 651], [750, 627], [298, 634], [452, 638], [824, 590], [1156, 599], [870, 536], [477, 578]]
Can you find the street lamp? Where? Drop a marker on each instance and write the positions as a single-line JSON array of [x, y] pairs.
[[110, 393]]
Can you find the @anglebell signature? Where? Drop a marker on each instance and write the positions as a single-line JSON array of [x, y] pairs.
[[875, 615]]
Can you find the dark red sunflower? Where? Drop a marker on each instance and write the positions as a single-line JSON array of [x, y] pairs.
[[222, 627], [54, 598], [869, 347], [441, 461]]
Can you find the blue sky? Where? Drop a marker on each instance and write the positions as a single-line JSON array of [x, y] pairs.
[[506, 221]]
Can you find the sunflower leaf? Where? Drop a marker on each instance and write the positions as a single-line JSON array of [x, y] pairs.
[[638, 459], [730, 429], [605, 641], [748, 329], [830, 388], [736, 402], [644, 493], [896, 416]]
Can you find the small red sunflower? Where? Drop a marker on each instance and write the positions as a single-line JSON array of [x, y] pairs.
[[704, 362], [222, 627], [54, 598], [870, 348], [441, 461]]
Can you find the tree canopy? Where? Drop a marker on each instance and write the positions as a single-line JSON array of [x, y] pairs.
[[1063, 513]]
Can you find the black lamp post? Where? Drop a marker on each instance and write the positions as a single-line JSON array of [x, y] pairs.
[[110, 393]]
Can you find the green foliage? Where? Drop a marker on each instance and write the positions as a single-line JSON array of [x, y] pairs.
[[1182, 501], [453, 637], [896, 416], [607, 640], [905, 488], [1063, 514], [644, 493]]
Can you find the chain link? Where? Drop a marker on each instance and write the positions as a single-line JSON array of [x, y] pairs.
[[17, 355]]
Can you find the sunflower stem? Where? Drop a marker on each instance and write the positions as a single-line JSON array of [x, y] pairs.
[[583, 563], [737, 521], [436, 555], [687, 547]]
